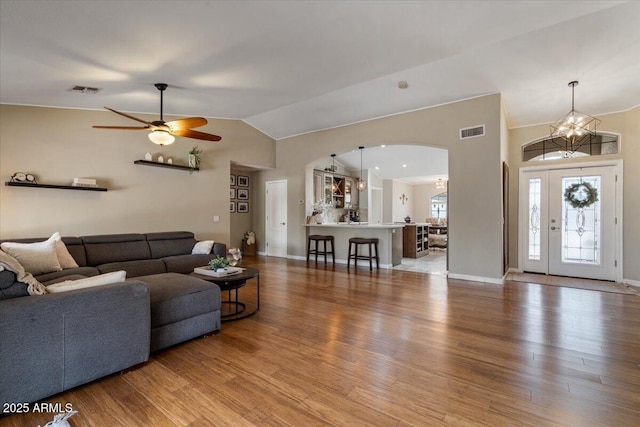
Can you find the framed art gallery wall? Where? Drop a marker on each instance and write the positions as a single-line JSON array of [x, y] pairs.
[[240, 205]]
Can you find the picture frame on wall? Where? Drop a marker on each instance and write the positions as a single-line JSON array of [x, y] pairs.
[[243, 207], [232, 179], [232, 193], [243, 181], [243, 194], [232, 207]]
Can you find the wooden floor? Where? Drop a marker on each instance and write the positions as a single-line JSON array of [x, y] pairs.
[[388, 348]]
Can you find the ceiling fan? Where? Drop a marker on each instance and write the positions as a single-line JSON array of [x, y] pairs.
[[162, 133]]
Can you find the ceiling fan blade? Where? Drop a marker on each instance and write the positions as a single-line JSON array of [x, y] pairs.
[[187, 123], [128, 116], [188, 133], [123, 127]]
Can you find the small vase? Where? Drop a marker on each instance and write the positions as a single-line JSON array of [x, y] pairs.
[[192, 161]]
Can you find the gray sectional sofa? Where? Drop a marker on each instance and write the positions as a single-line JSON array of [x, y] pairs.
[[51, 343]]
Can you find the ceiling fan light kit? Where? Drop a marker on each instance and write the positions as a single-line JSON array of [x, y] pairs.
[[161, 137], [164, 133]]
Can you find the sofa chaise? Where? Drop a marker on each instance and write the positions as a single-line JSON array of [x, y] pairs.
[[53, 342]]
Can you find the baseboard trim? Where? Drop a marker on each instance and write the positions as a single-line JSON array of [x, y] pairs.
[[476, 278], [634, 283]]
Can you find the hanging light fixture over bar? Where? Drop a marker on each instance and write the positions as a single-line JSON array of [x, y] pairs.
[[361, 185], [575, 128]]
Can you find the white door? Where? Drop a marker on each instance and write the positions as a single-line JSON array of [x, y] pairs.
[[276, 218], [568, 219]]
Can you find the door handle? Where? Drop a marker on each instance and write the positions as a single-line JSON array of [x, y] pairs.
[[282, 223], [553, 227]]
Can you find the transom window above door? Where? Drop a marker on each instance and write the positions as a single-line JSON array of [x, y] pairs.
[[558, 148]]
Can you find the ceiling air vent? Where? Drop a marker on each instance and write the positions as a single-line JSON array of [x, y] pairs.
[[472, 132], [85, 89]]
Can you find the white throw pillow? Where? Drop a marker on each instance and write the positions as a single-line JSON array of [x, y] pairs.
[[203, 247], [89, 282], [36, 258], [64, 257]]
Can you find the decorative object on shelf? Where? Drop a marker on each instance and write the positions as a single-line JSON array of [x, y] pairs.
[[218, 263], [148, 157], [232, 179], [162, 133], [234, 256], [574, 127], [160, 159], [243, 207], [243, 194], [232, 207], [407, 219], [195, 157], [85, 182], [23, 177], [441, 184], [361, 185], [581, 195], [403, 198], [243, 181], [169, 161]]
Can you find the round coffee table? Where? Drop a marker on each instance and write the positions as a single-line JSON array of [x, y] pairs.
[[233, 282]]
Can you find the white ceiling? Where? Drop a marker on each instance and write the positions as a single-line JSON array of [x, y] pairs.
[[290, 67], [409, 163]]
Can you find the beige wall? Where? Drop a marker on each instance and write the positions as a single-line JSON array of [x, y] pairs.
[[402, 209], [627, 124], [60, 144], [475, 237], [422, 194]]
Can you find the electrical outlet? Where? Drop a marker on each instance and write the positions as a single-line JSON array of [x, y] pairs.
[[216, 218]]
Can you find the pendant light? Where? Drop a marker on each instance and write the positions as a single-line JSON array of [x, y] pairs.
[[334, 186], [361, 185], [574, 127]]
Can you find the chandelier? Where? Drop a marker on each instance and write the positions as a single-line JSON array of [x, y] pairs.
[[441, 184], [575, 128]]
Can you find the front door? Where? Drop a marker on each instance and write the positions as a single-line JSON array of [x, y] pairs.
[[569, 222], [276, 218]]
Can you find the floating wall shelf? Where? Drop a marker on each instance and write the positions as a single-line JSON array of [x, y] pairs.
[[164, 165], [59, 187]]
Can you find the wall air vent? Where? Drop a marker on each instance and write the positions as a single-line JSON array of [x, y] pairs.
[[472, 132], [85, 89]]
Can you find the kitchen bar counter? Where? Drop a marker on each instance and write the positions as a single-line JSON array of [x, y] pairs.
[[389, 247]]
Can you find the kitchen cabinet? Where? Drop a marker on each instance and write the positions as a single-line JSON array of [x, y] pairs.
[[334, 188]]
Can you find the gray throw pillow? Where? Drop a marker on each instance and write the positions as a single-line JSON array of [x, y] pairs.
[[10, 287]]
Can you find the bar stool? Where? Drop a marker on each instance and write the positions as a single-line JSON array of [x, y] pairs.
[[357, 241], [316, 238]]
